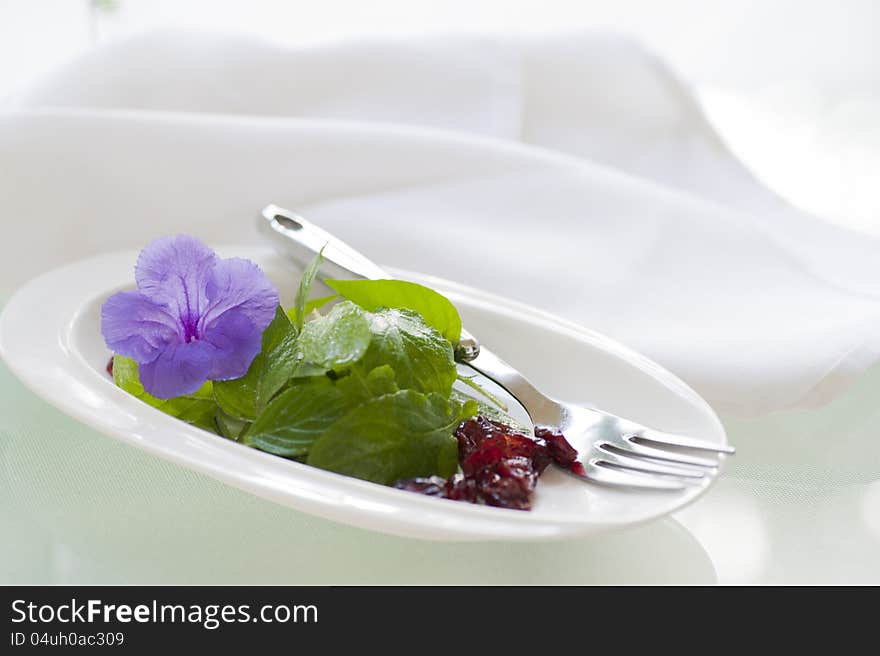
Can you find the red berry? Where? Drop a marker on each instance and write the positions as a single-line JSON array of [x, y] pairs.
[[500, 466], [433, 486], [560, 450]]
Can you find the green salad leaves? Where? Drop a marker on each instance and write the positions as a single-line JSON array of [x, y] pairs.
[[362, 387], [435, 309], [197, 408]]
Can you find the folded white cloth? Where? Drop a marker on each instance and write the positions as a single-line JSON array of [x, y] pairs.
[[573, 173]]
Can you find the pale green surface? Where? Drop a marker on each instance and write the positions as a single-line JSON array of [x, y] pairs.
[[79, 507]]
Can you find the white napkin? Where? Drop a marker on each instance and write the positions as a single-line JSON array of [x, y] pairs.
[[573, 173]]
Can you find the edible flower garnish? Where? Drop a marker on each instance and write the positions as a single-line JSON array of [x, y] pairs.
[[194, 316]]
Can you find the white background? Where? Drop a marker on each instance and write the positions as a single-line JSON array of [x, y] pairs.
[[793, 86]]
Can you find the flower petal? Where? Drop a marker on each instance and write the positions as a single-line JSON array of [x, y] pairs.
[[174, 271], [240, 285], [180, 369], [236, 341], [136, 327]]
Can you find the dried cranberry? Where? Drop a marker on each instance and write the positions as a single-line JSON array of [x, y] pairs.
[[560, 450], [541, 458], [472, 433], [459, 488], [486, 455], [433, 486], [109, 367], [506, 493], [500, 466]]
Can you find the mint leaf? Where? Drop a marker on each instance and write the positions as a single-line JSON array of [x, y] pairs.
[[297, 417], [421, 358], [473, 407], [437, 310], [300, 414], [238, 398], [229, 427], [474, 385], [391, 437], [243, 397], [311, 306], [197, 408], [377, 382], [283, 361], [469, 408], [338, 340], [305, 288]]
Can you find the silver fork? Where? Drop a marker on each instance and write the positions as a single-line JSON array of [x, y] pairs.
[[613, 450]]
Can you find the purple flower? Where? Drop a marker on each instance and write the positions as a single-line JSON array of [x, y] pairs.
[[194, 317]]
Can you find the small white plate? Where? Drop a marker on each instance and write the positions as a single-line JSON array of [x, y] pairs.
[[50, 337]]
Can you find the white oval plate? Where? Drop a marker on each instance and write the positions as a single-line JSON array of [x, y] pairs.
[[50, 337]]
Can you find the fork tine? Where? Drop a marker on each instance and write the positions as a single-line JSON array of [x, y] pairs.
[[618, 456], [602, 471], [637, 449], [668, 439]]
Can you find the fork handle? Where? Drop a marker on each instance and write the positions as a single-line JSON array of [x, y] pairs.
[[300, 240]]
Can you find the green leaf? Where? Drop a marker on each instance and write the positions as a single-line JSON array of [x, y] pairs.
[[421, 358], [243, 397], [469, 408], [472, 407], [377, 382], [311, 306], [305, 288], [338, 340], [238, 398], [391, 437], [474, 385], [229, 427], [197, 408], [297, 417], [300, 414], [437, 310], [282, 363]]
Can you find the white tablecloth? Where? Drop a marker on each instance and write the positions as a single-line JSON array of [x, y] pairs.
[[574, 173]]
